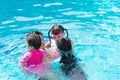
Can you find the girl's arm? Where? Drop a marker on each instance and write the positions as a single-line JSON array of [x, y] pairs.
[[47, 45]]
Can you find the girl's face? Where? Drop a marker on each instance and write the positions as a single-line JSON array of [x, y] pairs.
[[55, 37]]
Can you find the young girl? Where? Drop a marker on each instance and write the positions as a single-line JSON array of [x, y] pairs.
[[32, 62], [68, 60], [47, 56], [57, 32]]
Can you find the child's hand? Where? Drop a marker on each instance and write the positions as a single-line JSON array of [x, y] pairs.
[[47, 45]]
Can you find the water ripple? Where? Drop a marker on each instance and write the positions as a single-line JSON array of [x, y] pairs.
[[22, 18], [52, 4]]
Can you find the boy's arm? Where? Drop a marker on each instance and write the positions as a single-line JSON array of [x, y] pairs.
[[72, 42]]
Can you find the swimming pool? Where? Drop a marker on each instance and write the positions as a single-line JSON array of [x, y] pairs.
[[94, 26]]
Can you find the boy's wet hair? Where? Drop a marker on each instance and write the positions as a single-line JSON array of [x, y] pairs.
[[33, 39], [64, 44], [57, 29]]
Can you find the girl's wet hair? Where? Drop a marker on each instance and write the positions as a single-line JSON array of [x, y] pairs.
[[33, 39], [57, 29]]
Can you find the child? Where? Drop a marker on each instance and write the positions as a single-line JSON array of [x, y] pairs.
[[32, 62], [42, 47], [47, 56], [68, 61], [57, 32]]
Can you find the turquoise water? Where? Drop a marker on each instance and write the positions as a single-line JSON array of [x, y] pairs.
[[94, 26]]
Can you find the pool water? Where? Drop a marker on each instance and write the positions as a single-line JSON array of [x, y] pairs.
[[93, 25]]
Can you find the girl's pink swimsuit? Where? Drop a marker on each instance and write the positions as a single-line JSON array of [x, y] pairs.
[[32, 62]]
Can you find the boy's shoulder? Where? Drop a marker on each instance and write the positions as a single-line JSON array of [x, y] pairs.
[[68, 60]]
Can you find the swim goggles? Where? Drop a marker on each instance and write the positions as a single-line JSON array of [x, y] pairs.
[[57, 36]]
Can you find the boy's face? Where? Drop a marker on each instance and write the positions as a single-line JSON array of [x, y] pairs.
[[55, 37]]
